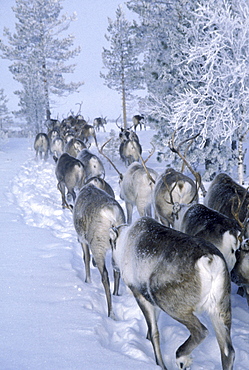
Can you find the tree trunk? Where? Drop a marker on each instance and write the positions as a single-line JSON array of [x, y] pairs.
[[123, 93], [240, 161], [124, 108]]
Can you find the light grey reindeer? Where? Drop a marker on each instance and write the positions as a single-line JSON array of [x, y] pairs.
[[172, 187], [136, 186], [57, 148], [74, 146], [41, 146], [70, 174], [94, 213], [102, 184], [136, 189], [181, 275], [92, 164], [218, 229]]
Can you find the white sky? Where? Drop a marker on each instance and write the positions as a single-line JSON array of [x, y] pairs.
[[89, 31]]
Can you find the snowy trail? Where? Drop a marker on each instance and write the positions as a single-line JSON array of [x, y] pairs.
[[34, 191]]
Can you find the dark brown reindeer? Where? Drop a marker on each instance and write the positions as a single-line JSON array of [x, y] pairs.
[[179, 274], [99, 122], [228, 197], [218, 229], [138, 120], [240, 272]]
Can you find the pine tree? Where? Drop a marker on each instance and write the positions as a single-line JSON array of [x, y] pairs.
[[39, 57], [121, 60]]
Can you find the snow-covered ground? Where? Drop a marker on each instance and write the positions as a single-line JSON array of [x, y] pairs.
[[50, 318]]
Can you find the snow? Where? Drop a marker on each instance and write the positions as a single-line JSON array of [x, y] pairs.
[[50, 318]]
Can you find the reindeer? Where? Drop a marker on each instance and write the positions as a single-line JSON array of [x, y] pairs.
[[92, 164], [99, 122], [136, 186], [70, 174], [179, 274], [218, 229], [87, 132], [74, 146], [101, 184], [41, 145], [228, 197], [136, 189], [52, 124], [57, 148], [138, 121], [52, 134], [94, 213], [172, 187], [130, 149], [240, 272]]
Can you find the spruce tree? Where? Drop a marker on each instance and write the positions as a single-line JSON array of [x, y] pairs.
[[39, 57]]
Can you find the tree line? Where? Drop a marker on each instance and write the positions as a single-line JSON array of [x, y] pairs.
[[190, 57]]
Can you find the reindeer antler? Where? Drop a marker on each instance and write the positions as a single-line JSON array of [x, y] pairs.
[[144, 165], [109, 160], [183, 157]]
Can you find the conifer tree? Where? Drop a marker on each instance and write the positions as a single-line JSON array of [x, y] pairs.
[[121, 60], [39, 56], [5, 118]]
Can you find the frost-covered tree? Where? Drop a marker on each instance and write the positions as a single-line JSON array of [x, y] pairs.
[[161, 34], [5, 117], [121, 60], [216, 100], [201, 81], [39, 56]]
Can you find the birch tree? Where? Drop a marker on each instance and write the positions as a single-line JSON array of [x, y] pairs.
[[122, 60], [39, 56]]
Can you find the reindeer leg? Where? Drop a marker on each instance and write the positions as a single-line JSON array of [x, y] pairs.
[[61, 188], [129, 209], [86, 257], [198, 333], [222, 322], [150, 315], [100, 263], [116, 281]]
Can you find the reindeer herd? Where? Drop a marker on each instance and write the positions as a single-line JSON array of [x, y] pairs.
[[179, 256]]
